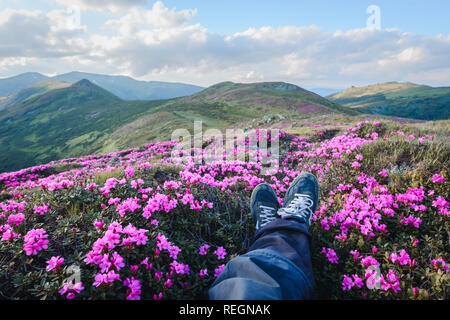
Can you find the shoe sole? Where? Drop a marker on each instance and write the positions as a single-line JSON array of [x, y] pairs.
[[300, 176]]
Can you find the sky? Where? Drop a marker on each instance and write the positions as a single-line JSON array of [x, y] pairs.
[[329, 44]]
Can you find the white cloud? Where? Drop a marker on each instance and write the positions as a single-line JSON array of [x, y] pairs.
[[162, 44], [34, 34]]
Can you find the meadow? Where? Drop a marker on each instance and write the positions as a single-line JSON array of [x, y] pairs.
[[137, 224]]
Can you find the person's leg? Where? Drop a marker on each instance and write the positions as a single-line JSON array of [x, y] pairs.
[[290, 238], [278, 265], [290, 235]]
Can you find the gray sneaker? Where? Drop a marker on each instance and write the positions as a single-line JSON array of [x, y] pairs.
[[264, 205], [301, 199]]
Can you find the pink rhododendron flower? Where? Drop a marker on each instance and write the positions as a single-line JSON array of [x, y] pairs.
[[54, 263], [219, 270], [35, 241], [220, 252], [347, 283], [437, 178], [129, 172], [134, 288], [203, 249], [330, 255], [203, 273], [383, 173], [41, 209], [99, 224], [16, 219], [71, 289], [356, 164]]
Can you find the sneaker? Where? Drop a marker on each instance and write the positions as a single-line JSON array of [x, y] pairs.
[[301, 199], [264, 205]]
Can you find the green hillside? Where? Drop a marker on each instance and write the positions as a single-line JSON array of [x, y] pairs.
[[226, 105], [19, 82], [31, 91], [405, 100], [61, 122], [85, 119]]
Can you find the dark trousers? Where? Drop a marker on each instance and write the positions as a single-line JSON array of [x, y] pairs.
[[290, 238], [277, 266]]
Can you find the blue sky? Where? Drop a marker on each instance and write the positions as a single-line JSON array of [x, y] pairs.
[[417, 16], [311, 43], [429, 17]]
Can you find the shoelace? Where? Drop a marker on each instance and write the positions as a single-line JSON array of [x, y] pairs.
[[266, 215], [300, 206]]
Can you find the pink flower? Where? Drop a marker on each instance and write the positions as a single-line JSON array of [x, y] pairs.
[[355, 254], [146, 264], [221, 253], [158, 297], [356, 164], [41, 209], [437, 178], [134, 288], [383, 173], [347, 283], [35, 240], [129, 172], [203, 249], [105, 278], [71, 289], [412, 220], [369, 261], [218, 270], [203, 273], [358, 281], [16, 219], [54, 263], [331, 255], [99, 224]]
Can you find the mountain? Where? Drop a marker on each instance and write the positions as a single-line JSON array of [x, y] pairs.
[[227, 105], [124, 87], [31, 91], [19, 82], [130, 89], [63, 121], [85, 118], [407, 100]]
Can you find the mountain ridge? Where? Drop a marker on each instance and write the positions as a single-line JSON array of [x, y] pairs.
[[406, 100], [124, 87]]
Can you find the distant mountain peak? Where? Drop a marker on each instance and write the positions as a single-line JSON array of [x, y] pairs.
[[374, 89], [84, 83]]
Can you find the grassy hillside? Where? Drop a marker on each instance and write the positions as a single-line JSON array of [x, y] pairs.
[[62, 123], [225, 105], [19, 82], [84, 118], [31, 91], [406, 100], [134, 221]]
